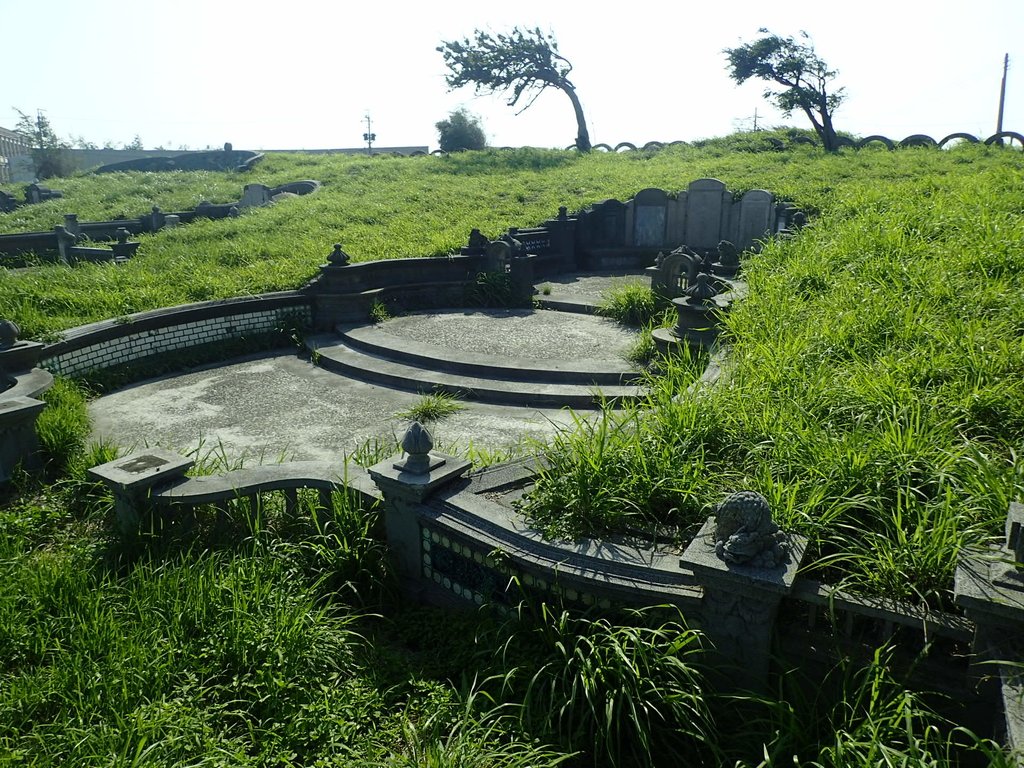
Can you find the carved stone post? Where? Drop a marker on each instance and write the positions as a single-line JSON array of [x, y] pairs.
[[745, 565], [18, 407], [18, 441], [405, 481], [989, 586], [132, 477]]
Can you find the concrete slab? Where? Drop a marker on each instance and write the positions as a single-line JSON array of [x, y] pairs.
[[588, 285], [272, 406], [517, 333]]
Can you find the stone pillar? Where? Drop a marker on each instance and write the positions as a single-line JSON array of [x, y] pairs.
[[18, 442], [132, 477], [989, 586], [745, 566], [405, 481], [563, 238]]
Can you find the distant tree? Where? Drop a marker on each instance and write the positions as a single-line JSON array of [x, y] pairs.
[[460, 130], [50, 156], [803, 76], [80, 142], [520, 62], [135, 144]]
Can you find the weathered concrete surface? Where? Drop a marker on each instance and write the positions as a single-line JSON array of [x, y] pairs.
[[589, 285], [278, 405], [517, 333]]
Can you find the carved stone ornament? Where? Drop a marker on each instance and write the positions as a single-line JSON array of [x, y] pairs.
[[745, 533], [703, 291], [417, 443], [9, 331], [728, 254], [338, 257]]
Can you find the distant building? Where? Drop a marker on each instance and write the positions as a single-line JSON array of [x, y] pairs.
[[11, 145]]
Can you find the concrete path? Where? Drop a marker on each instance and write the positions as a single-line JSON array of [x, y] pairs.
[[279, 406], [274, 406]]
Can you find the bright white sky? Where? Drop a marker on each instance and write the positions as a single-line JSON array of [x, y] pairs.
[[303, 73]]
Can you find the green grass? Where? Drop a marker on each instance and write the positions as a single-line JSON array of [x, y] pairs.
[[432, 407], [874, 392], [873, 396], [394, 207], [632, 304]]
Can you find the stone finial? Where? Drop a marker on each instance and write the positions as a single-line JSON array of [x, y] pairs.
[[703, 290], [417, 443], [122, 235], [9, 331], [338, 257], [563, 213], [156, 210], [745, 533], [799, 220]]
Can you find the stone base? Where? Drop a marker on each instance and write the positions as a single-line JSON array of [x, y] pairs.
[[18, 442], [668, 341], [23, 356]]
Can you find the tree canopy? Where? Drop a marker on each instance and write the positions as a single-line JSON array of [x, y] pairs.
[[523, 61], [49, 153], [803, 76], [460, 130]]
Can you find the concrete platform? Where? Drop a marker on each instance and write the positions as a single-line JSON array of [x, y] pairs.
[[279, 406], [274, 406], [534, 358]]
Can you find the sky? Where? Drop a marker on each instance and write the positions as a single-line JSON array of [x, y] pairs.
[[303, 74]]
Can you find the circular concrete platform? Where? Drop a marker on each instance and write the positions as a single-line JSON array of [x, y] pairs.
[[274, 406], [517, 333]]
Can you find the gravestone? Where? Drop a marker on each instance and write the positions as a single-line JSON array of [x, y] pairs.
[[650, 218], [756, 210], [708, 205], [604, 225], [255, 196]]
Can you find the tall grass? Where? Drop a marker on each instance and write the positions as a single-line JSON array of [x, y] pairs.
[[873, 393], [395, 207], [621, 693]]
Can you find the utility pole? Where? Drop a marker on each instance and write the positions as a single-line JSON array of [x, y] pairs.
[[369, 137], [755, 118], [1002, 96]]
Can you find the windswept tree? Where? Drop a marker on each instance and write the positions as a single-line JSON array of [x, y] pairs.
[[804, 78], [524, 61]]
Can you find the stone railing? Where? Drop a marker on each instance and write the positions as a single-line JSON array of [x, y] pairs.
[[456, 538], [154, 480]]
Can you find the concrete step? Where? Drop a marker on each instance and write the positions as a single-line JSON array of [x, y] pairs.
[[337, 355], [577, 305], [376, 341]]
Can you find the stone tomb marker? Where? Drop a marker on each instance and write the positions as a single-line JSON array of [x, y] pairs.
[[708, 205], [254, 196], [757, 208], [650, 218]]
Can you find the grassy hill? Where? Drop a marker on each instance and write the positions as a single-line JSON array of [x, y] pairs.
[[875, 396], [393, 207]]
